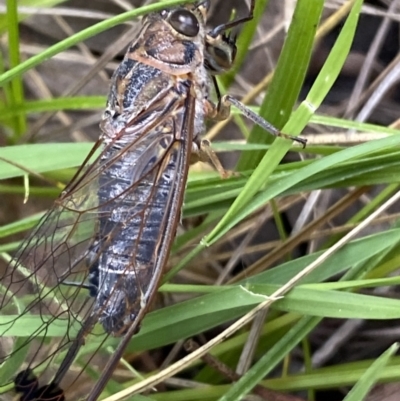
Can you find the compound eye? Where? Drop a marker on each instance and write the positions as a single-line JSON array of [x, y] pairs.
[[184, 22]]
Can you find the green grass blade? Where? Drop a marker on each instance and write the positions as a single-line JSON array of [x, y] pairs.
[[56, 104], [17, 91], [299, 119], [247, 202], [81, 36], [371, 376], [288, 79], [41, 158]]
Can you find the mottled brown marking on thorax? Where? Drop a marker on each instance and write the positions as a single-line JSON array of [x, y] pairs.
[[160, 47]]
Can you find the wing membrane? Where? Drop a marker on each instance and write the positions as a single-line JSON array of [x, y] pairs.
[[94, 256]]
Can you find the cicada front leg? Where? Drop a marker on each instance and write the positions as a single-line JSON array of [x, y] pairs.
[[201, 148]]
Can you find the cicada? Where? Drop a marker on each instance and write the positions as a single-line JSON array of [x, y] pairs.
[[90, 269]]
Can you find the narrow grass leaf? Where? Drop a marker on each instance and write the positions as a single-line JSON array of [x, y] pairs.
[[20, 225], [287, 80], [41, 158], [56, 104], [81, 36], [245, 205], [371, 376], [299, 119], [329, 73], [357, 251], [17, 91]]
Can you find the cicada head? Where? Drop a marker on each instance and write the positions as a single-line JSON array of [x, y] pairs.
[[172, 40]]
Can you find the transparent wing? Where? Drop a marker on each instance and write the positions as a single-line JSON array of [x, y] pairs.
[[96, 256]]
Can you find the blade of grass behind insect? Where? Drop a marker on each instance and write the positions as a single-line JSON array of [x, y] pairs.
[[358, 251], [282, 185], [174, 323], [21, 225], [40, 158], [297, 122], [20, 350], [352, 125], [5, 99], [262, 369], [334, 377], [17, 91], [324, 82], [368, 247], [372, 205], [288, 78], [82, 35], [28, 3], [371, 376], [55, 104]]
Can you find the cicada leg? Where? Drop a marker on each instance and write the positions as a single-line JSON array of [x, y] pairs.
[[202, 151], [224, 108]]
